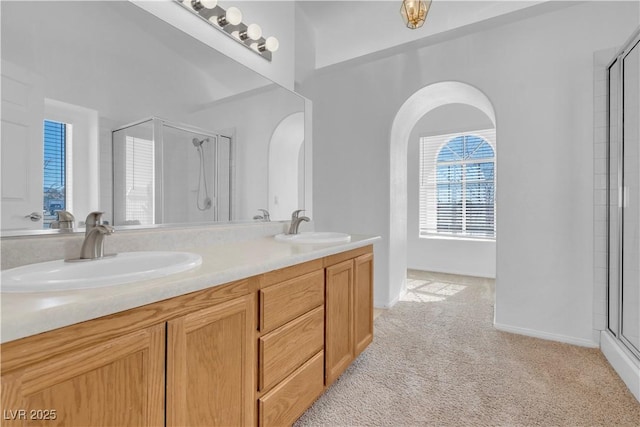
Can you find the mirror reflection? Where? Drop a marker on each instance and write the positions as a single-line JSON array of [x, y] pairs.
[[106, 107], [169, 173]]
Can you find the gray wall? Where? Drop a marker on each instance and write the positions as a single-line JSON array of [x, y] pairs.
[[538, 74]]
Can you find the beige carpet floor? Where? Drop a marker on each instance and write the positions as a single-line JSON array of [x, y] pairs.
[[436, 360]]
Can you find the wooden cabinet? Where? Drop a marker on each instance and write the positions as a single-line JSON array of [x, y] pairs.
[[211, 366], [349, 308], [339, 322], [291, 344], [111, 371], [284, 301], [118, 382], [257, 351], [285, 349], [285, 403], [363, 302]]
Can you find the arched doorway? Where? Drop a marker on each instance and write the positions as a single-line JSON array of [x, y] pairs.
[[286, 172], [413, 109]]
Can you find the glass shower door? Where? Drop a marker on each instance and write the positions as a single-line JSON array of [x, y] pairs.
[[196, 176], [167, 173], [624, 197], [223, 178], [614, 196], [630, 274]]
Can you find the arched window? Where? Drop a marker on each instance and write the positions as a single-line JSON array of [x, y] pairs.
[[457, 185]]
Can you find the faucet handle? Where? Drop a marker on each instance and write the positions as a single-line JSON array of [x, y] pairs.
[[265, 214], [65, 216], [296, 214], [65, 220], [93, 219], [264, 217]]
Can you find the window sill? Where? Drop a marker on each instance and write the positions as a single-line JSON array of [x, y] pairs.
[[458, 238]]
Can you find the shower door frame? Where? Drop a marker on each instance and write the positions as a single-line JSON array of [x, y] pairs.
[[629, 45], [158, 142]]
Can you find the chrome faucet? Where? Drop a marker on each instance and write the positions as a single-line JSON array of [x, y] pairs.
[[65, 221], [93, 245], [264, 217], [296, 219]]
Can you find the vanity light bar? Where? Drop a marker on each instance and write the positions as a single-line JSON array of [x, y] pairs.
[[230, 22]]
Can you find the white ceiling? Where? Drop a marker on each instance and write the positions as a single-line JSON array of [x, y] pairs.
[[353, 28]]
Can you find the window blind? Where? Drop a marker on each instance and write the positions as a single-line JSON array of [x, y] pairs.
[[139, 172], [54, 170], [457, 184]]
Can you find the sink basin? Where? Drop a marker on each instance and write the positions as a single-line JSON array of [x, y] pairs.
[[123, 268], [315, 237]]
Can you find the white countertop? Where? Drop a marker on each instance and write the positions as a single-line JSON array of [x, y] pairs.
[[24, 315]]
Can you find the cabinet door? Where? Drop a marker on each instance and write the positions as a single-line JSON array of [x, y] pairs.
[[339, 350], [211, 366], [119, 382], [363, 302]]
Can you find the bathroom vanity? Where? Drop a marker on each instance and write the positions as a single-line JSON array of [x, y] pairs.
[[256, 350]]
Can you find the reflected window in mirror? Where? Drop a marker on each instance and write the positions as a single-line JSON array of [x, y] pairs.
[[54, 170], [139, 177], [81, 167]]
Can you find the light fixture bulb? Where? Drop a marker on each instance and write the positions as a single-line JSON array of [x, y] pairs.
[[233, 16], [254, 32], [198, 5], [209, 4], [230, 21], [272, 44]]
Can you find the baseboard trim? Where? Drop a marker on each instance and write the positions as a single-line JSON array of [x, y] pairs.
[[545, 335], [396, 299], [624, 364], [479, 275], [390, 304]]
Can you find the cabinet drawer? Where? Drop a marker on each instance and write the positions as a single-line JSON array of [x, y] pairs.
[[285, 301], [285, 349], [285, 403]]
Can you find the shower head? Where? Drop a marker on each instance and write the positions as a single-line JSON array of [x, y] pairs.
[[198, 142]]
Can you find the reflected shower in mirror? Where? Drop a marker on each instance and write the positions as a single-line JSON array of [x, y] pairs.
[[101, 65], [170, 173]]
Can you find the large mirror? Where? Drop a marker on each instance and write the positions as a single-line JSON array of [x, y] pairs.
[[106, 107]]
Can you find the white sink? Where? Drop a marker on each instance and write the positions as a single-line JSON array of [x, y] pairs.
[[315, 237], [114, 270]]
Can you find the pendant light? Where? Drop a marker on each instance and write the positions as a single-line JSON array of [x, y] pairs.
[[414, 12]]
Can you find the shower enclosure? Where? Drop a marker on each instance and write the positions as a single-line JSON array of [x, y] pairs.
[[165, 172], [623, 191]]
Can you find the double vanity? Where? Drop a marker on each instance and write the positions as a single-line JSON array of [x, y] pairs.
[[190, 323], [252, 334]]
